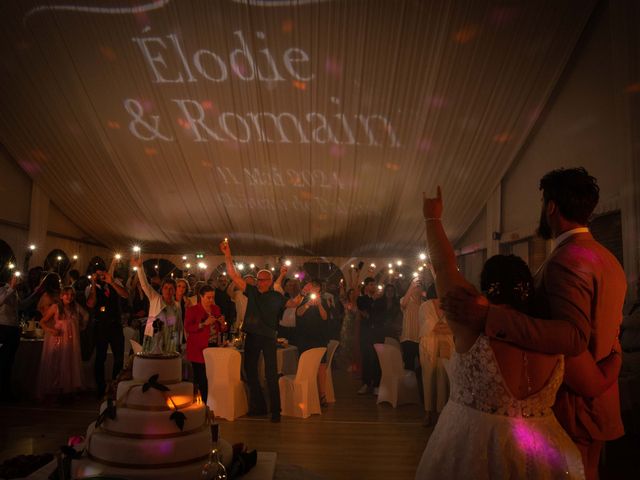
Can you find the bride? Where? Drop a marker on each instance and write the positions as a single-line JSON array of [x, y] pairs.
[[498, 422]]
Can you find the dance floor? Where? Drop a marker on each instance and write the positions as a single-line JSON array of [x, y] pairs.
[[354, 438]]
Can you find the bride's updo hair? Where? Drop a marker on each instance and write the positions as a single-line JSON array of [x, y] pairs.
[[506, 280]]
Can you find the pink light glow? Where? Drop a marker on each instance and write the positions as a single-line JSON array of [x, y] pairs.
[[534, 444]]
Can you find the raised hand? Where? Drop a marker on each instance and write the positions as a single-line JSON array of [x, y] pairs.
[[225, 248], [136, 262], [432, 207]]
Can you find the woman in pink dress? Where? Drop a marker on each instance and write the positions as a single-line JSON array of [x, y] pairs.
[[60, 364]]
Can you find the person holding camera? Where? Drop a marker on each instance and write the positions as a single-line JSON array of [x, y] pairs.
[[312, 329], [103, 297]]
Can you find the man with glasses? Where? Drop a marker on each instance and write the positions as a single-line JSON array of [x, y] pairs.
[[260, 325]]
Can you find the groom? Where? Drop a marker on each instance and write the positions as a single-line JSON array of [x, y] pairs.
[[580, 291]]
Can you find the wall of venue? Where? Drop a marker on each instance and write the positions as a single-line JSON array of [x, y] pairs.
[[584, 125]]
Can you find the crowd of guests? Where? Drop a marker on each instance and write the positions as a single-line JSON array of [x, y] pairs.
[[520, 352]]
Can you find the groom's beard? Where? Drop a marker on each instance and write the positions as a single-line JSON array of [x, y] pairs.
[[544, 229]]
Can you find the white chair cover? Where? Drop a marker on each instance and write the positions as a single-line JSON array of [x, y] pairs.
[[299, 394], [392, 341], [329, 391], [135, 346], [397, 385], [227, 397]]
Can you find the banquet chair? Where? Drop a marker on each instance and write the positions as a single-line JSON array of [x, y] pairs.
[[329, 391], [227, 397], [299, 393], [392, 341], [397, 385], [135, 346]]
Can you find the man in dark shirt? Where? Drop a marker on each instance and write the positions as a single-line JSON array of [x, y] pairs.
[[264, 307], [103, 298], [370, 365]]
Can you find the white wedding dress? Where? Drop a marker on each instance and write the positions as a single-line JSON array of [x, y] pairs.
[[484, 432]]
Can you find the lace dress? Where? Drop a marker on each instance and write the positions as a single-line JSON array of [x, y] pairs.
[[484, 432]]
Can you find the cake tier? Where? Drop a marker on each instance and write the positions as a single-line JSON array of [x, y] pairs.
[[169, 369], [85, 467], [125, 452], [142, 423], [130, 392]]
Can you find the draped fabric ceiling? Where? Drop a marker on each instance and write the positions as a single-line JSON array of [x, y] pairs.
[[305, 127]]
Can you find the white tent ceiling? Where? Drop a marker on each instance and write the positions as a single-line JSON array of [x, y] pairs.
[[307, 127]]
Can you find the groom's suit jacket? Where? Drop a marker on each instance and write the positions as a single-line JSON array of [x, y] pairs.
[[583, 284]]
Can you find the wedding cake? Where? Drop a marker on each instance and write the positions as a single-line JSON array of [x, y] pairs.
[[156, 428]]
